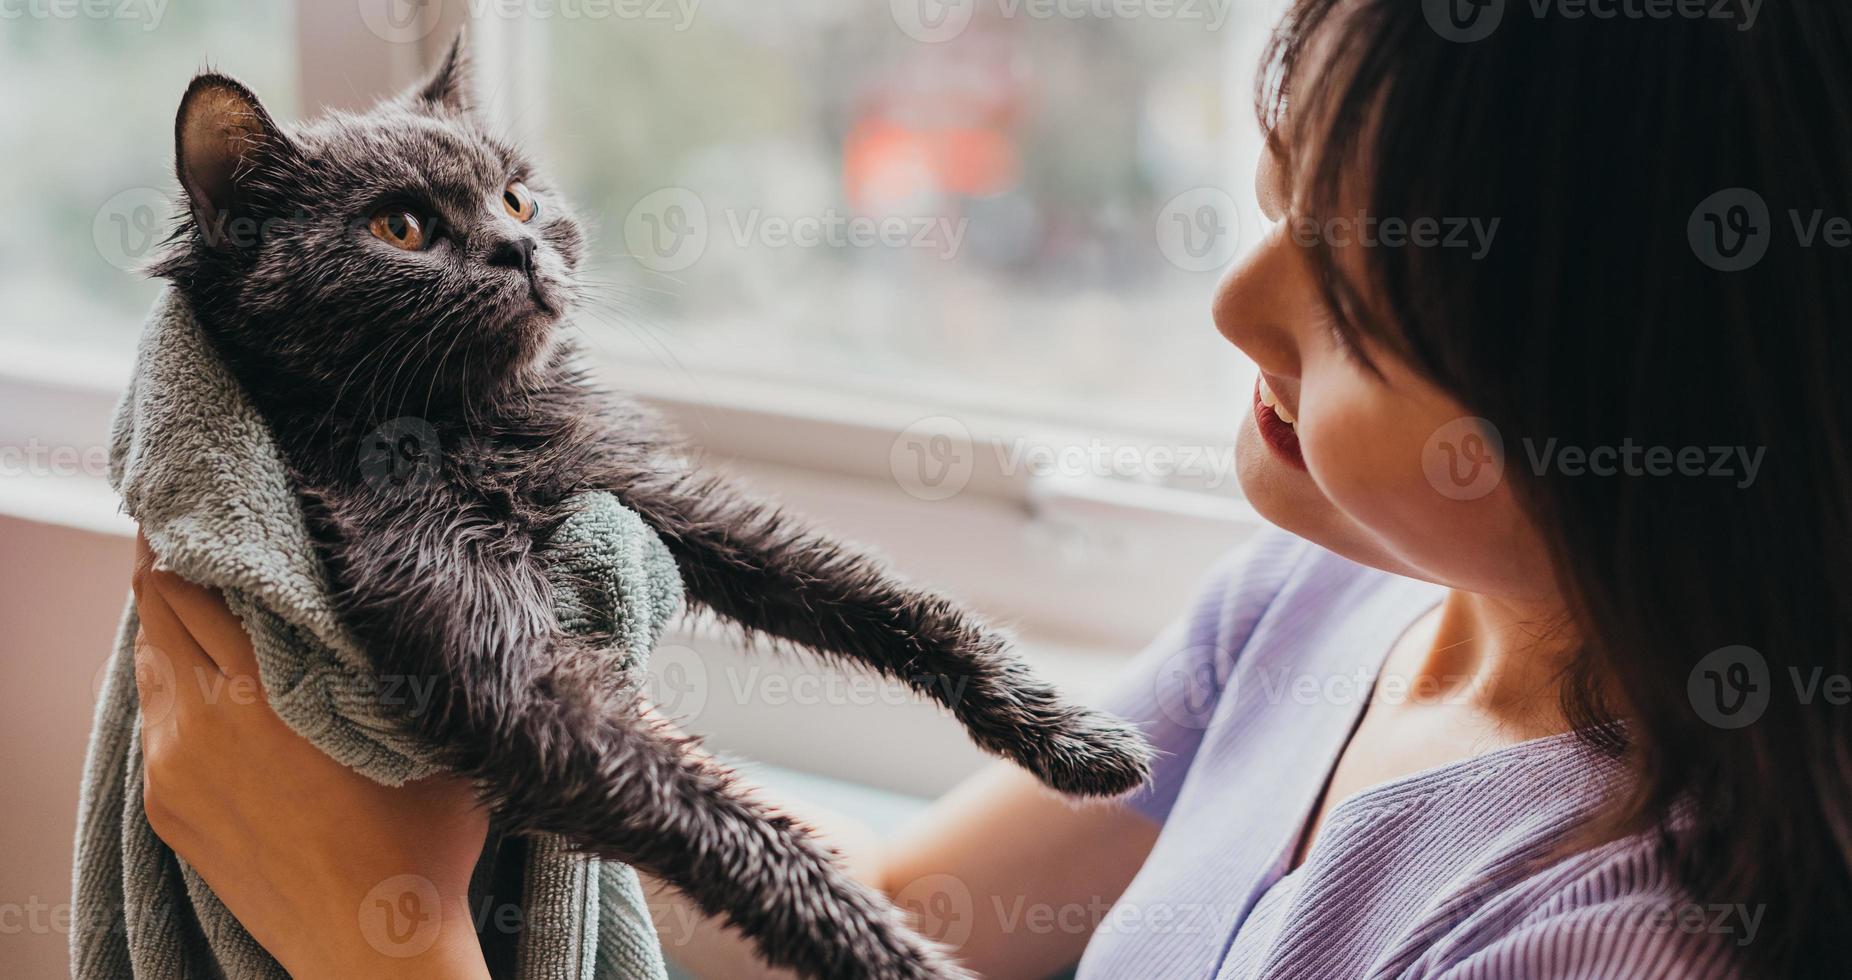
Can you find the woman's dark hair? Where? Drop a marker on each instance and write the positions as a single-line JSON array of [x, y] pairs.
[[1637, 167]]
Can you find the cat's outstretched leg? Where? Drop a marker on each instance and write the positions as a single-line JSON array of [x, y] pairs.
[[627, 787], [759, 568], [533, 717]]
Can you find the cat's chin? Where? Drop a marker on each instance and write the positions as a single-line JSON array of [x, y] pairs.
[[535, 319], [535, 332], [537, 313], [540, 310]]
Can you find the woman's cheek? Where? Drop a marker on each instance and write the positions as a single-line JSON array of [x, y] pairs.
[[1358, 456], [1385, 467]]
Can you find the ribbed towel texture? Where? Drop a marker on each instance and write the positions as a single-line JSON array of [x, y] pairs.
[[197, 468]]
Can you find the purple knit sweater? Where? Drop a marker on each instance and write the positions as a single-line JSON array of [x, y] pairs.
[[1443, 873]]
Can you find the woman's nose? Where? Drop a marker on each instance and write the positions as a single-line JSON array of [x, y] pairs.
[[1265, 299]]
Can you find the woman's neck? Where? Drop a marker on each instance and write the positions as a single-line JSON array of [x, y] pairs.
[[1506, 661]]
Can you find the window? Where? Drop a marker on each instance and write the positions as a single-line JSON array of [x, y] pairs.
[[851, 247], [90, 188], [992, 205]]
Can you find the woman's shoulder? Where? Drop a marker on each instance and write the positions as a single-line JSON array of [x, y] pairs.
[[1615, 910]]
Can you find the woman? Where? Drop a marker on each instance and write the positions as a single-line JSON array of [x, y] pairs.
[[1547, 679]]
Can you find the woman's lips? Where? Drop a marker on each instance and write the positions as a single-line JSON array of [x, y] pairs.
[[1279, 436]]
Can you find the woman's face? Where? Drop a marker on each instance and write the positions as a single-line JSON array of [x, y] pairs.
[[1390, 471]]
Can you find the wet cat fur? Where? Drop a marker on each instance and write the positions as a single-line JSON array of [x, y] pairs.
[[335, 333]]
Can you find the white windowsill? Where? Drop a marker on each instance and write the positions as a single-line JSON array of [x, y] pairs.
[[1076, 562]]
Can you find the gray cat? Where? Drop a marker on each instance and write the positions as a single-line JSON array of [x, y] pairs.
[[355, 268]]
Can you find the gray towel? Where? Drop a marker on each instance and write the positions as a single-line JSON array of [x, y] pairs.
[[197, 468]]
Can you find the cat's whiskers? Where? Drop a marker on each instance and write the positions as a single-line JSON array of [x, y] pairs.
[[659, 348], [372, 357], [647, 269], [381, 396], [364, 392], [438, 372], [426, 349]]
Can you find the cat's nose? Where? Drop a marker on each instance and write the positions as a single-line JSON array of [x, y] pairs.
[[513, 253]]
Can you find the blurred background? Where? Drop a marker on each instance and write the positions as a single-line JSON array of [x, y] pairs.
[[936, 272]]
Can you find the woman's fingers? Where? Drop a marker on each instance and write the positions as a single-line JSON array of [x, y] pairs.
[[201, 613], [172, 673], [172, 679]]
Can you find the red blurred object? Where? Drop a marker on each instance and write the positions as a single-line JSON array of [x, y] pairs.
[[886, 163], [939, 125]]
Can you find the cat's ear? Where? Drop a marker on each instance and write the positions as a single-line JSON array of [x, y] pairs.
[[222, 136], [452, 86]]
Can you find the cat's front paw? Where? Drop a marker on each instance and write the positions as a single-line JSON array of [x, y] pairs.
[[1089, 753]]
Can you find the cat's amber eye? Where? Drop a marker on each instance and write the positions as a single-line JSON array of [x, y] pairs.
[[519, 201], [397, 227]]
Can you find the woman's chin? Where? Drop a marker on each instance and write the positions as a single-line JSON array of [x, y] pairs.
[[1287, 497], [1283, 494]]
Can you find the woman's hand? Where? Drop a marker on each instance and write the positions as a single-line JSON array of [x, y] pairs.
[[336, 875]]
